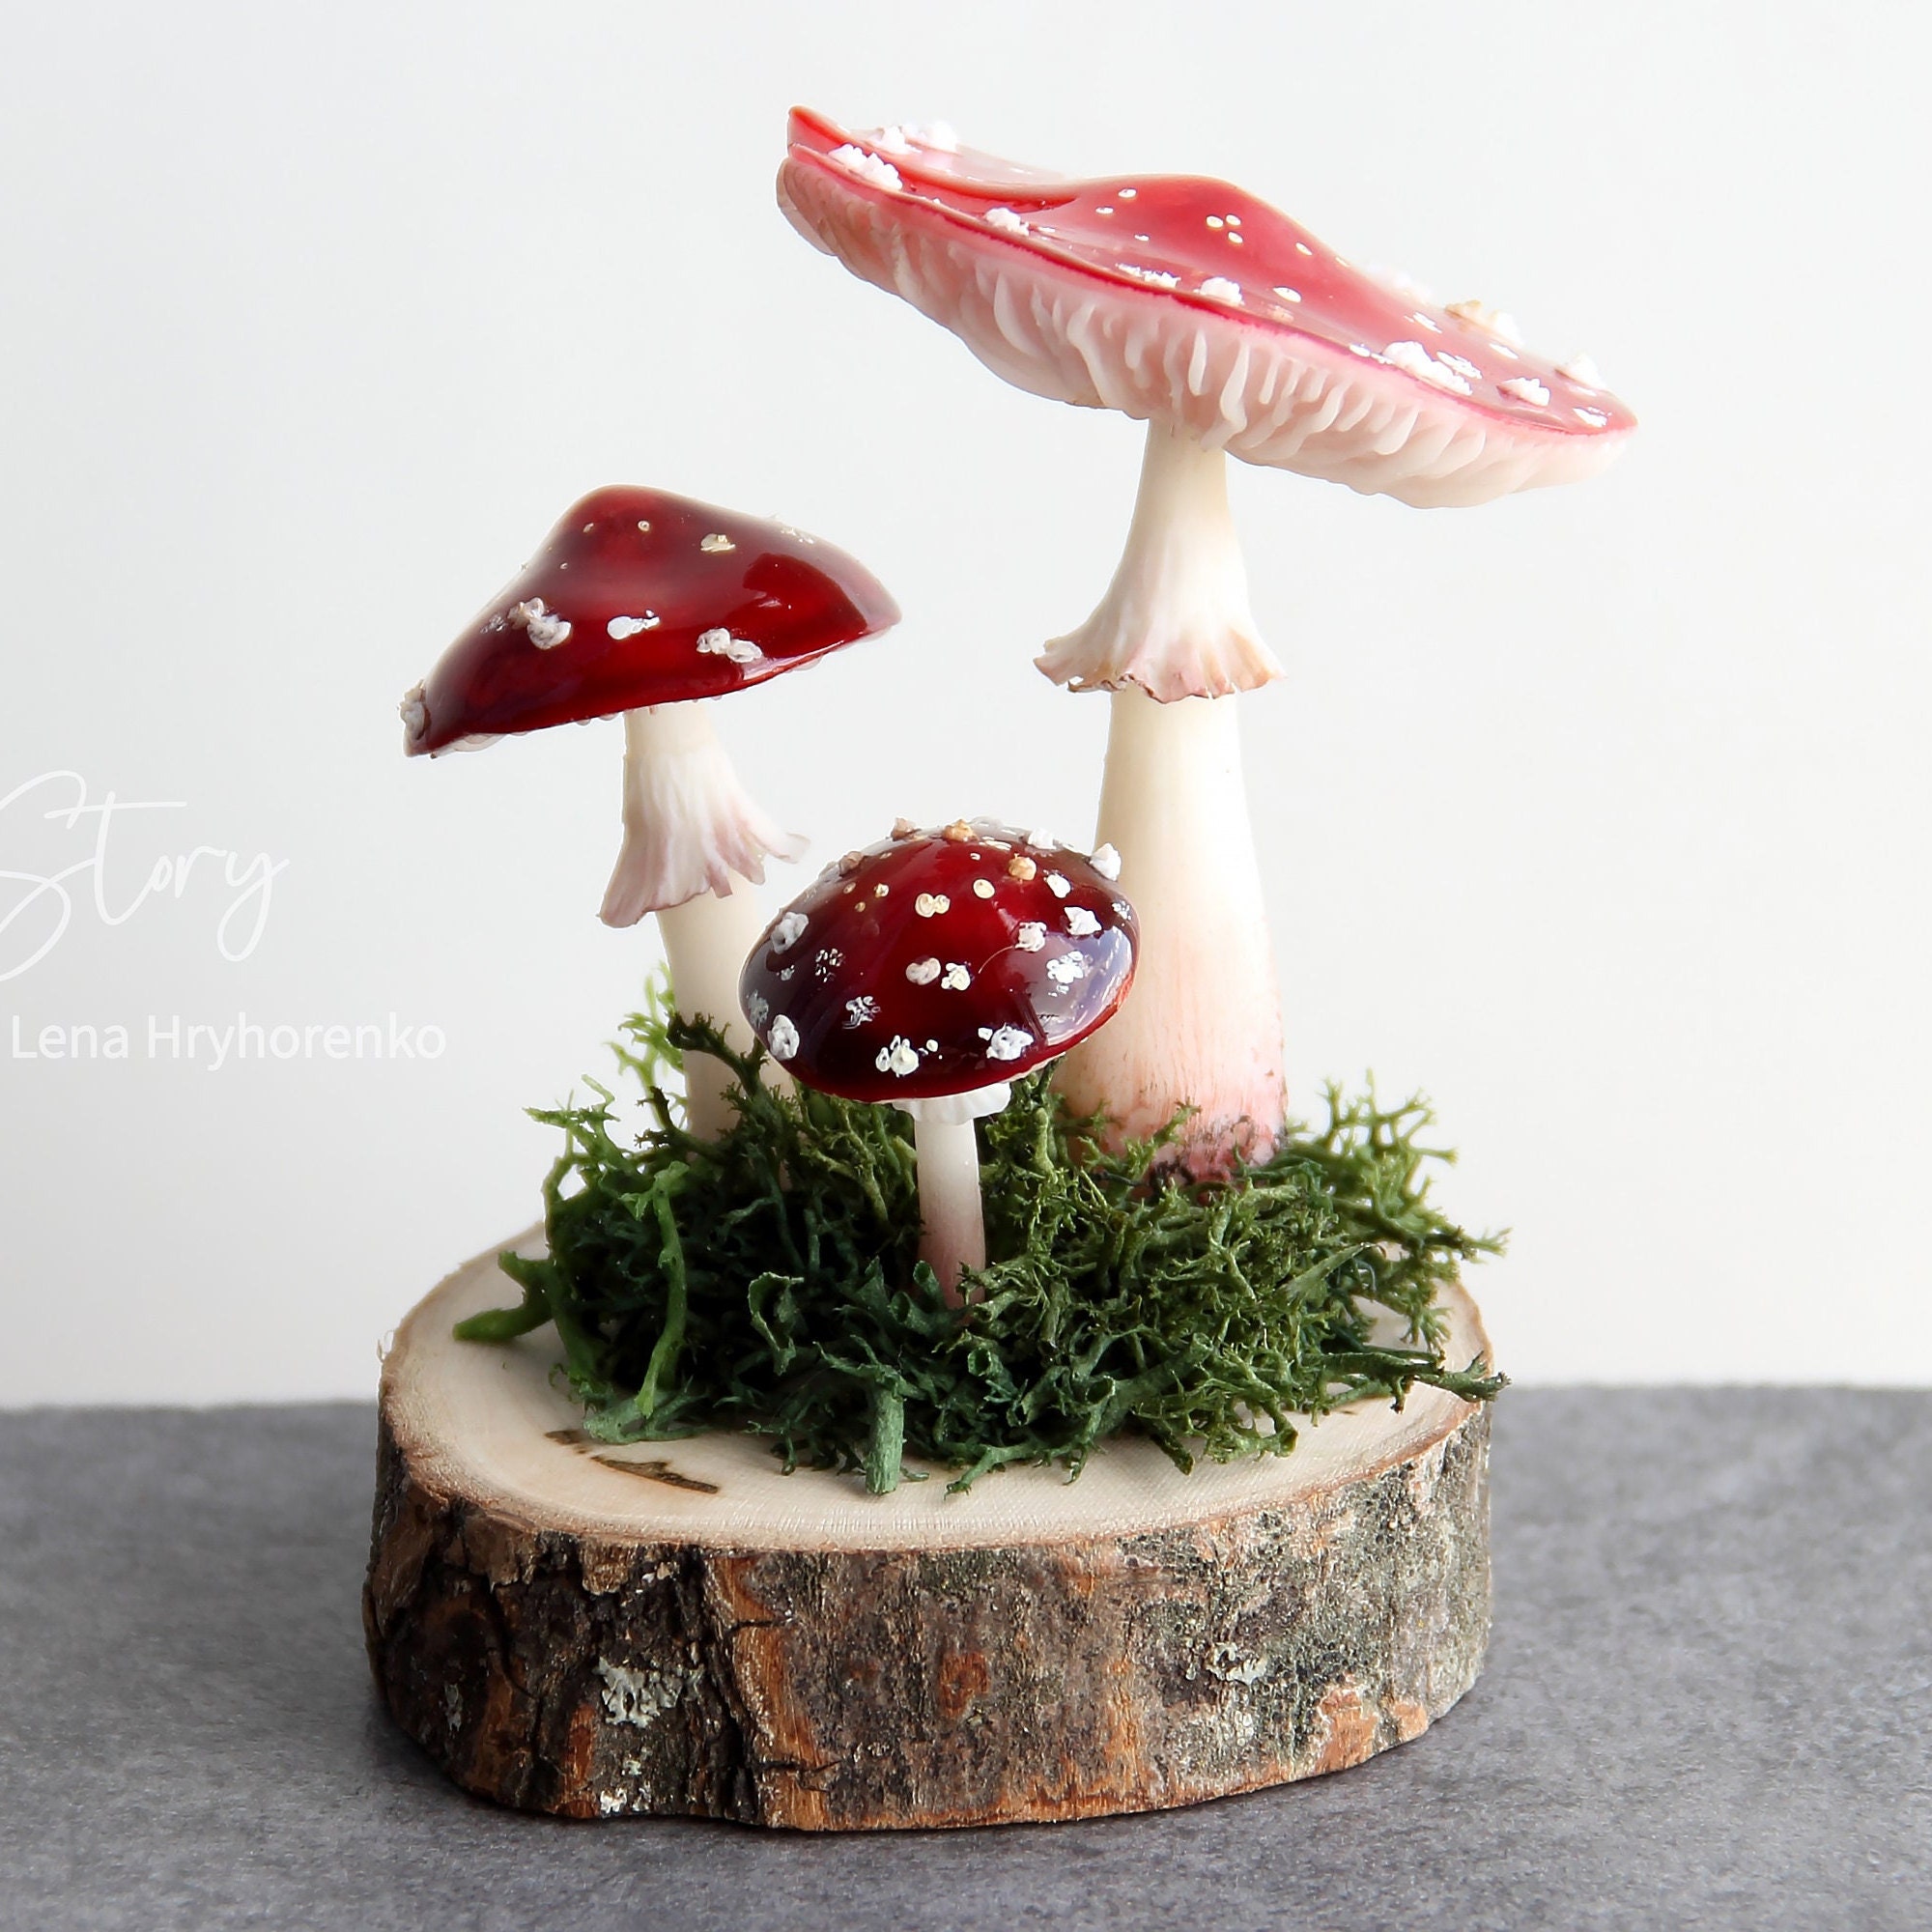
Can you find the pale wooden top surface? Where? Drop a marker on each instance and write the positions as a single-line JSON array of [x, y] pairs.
[[478, 1419]]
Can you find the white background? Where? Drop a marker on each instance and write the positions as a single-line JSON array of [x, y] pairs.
[[1601, 814]]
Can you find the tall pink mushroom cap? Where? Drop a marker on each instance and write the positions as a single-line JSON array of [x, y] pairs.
[[1230, 330], [1186, 301]]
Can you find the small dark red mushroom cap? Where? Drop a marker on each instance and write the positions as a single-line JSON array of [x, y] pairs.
[[641, 598], [937, 963]]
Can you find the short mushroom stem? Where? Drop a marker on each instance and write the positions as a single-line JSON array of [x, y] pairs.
[[693, 836], [1201, 1027], [705, 941], [1176, 620], [952, 1226]]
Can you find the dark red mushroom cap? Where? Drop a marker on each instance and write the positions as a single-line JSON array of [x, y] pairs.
[[1187, 300], [936, 963], [641, 598]]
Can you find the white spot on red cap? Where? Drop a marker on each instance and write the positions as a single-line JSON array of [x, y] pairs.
[[902, 1057], [1495, 321], [866, 166], [717, 543], [621, 628], [1008, 1042], [1581, 369], [1058, 885], [984, 887], [929, 905], [1005, 219], [1031, 936], [1220, 288], [1413, 359], [783, 1038], [757, 1009], [858, 1011], [955, 978], [720, 643], [1289, 294], [1526, 390], [1067, 968], [1596, 419], [789, 931], [922, 972], [1081, 923], [546, 628], [414, 712], [1106, 861]]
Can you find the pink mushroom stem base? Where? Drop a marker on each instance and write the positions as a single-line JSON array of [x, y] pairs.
[[1201, 1027]]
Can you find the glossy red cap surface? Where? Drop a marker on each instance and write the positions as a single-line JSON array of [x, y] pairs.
[[1183, 298], [936, 963], [641, 598]]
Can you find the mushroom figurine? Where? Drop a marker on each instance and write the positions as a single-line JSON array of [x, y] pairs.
[[1229, 330], [929, 971], [647, 604]]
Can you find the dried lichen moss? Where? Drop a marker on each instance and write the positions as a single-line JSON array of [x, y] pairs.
[[771, 1281]]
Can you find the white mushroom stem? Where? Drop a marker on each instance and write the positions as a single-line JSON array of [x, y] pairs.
[[952, 1226], [1171, 638], [1176, 620], [692, 838], [705, 941]]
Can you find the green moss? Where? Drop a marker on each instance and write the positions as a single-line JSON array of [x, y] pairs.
[[771, 1282]]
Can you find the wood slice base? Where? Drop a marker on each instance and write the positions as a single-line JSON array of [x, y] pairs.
[[681, 1628]]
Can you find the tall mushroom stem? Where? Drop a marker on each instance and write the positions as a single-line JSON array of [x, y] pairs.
[[705, 942], [951, 1221], [692, 838], [1172, 639]]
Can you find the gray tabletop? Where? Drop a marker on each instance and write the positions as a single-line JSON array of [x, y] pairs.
[[1709, 1703]]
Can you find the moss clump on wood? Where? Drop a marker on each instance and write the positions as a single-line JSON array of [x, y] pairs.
[[771, 1281]]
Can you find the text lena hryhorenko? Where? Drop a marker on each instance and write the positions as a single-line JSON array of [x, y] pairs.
[[216, 1044]]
